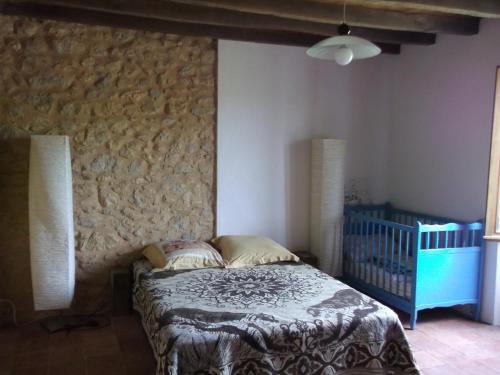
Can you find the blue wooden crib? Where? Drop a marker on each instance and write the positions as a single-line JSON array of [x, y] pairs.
[[412, 261]]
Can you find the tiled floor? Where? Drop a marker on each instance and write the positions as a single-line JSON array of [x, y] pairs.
[[444, 343], [447, 343], [120, 349]]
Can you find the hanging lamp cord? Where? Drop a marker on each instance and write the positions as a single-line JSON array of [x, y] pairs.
[[343, 28]]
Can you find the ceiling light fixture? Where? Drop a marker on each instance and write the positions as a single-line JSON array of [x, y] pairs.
[[344, 48]]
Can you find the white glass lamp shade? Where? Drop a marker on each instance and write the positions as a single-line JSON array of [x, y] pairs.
[[336, 48]]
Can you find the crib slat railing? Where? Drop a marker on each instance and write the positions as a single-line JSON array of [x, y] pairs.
[[351, 231], [399, 261], [423, 218], [350, 236], [407, 251], [372, 252], [379, 252], [386, 243], [457, 235], [365, 209], [351, 247], [362, 250], [357, 248], [392, 260]]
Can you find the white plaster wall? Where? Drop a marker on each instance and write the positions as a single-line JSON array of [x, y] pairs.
[[272, 100], [442, 109]]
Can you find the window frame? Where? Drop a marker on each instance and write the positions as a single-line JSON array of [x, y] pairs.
[[492, 227]]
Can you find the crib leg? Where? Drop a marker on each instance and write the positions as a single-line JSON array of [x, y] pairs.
[[477, 312], [413, 319]]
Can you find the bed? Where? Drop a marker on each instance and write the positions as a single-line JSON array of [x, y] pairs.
[[282, 318], [412, 261]]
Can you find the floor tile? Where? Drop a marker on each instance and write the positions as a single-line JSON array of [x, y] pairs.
[[426, 360], [122, 348], [140, 365], [99, 346], [444, 343], [39, 370], [68, 368], [33, 359], [106, 365], [440, 370], [493, 363], [70, 353], [6, 363]]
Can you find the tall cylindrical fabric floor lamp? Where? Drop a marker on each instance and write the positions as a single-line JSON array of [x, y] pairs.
[[327, 202], [52, 250]]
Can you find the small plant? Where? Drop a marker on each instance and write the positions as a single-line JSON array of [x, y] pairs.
[[352, 193]]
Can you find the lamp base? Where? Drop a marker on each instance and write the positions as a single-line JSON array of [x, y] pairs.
[[68, 323]]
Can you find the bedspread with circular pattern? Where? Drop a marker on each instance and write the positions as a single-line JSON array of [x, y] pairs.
[[269, 319]]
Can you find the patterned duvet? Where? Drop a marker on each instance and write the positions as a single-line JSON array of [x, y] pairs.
[[268, 319]]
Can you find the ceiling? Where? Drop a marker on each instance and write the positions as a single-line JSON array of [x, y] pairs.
[[388, 23]]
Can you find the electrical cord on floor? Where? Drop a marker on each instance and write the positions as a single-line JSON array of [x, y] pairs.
[[83, 322], [95, 319]]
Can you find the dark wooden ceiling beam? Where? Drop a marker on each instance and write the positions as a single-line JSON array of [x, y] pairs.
[[357, 15], [221, 17], [93, 17], [475, 8], [393, 36]]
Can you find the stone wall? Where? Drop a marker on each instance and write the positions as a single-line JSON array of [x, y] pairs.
[[140, 111]]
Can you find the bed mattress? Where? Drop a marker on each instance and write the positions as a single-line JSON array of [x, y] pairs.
[[279, 318]]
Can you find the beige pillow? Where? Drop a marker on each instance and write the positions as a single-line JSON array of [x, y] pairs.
[[182, 255], [244, 251]]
